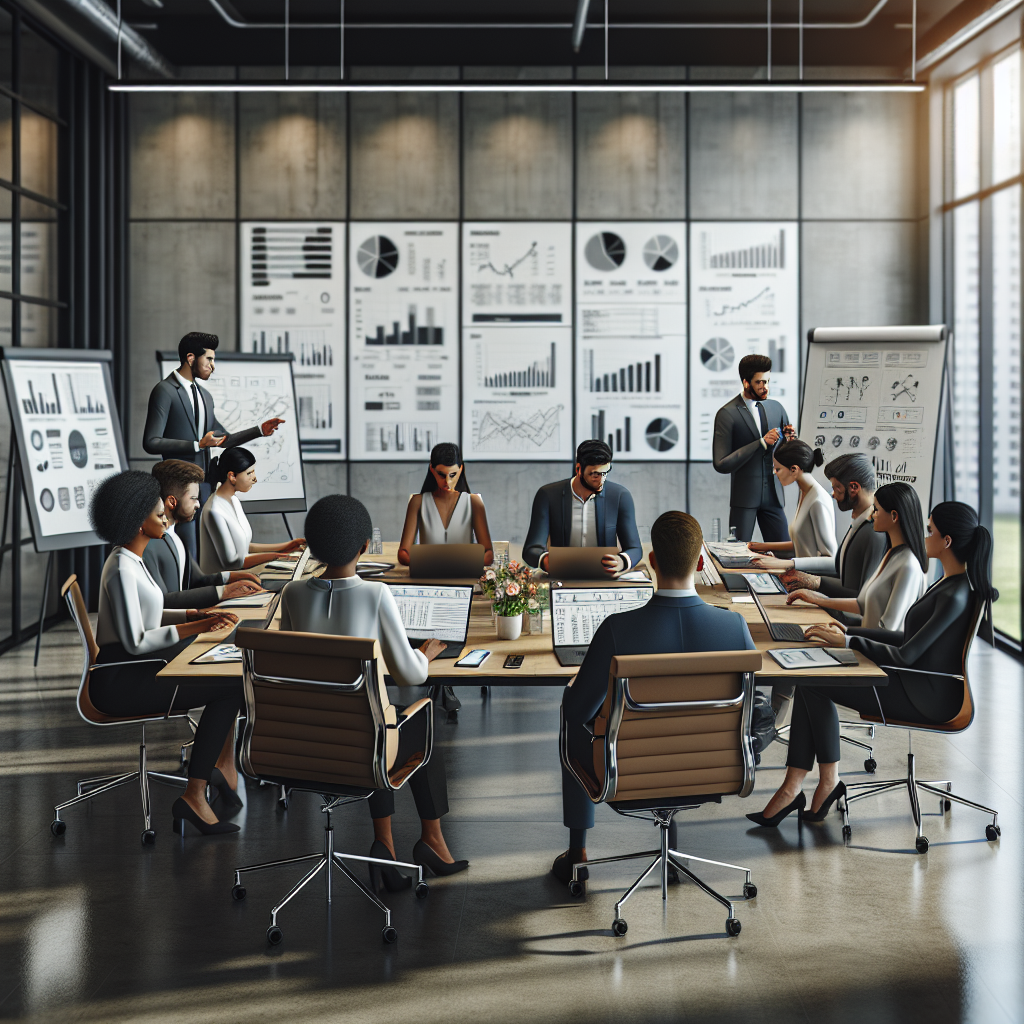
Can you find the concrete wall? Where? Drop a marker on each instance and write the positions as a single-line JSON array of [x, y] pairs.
[[848, 166]]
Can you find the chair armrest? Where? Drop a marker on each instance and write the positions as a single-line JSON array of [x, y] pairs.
[[411, 710], [922, 672], [415, 729]]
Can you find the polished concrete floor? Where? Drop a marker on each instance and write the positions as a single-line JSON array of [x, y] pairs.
[[94, 927]]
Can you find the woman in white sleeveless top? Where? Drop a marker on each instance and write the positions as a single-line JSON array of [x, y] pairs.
[[445, 512]]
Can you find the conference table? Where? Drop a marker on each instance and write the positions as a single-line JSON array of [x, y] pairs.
[[540, 667]]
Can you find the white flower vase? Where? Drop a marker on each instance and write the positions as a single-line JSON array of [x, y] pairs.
[[510, 626]]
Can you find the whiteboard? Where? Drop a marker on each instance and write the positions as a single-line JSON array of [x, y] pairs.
[[631, 338], [877, 390], [248, 389], [69, 438]]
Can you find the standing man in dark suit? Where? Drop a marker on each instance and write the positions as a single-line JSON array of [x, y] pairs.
[[585, 511], [181, 423], [674, 621], [171, 566], [747, 431]]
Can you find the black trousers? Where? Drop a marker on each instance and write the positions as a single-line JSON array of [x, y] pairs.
[[771, 519], [814, 728], [135, 690], [429, 788]]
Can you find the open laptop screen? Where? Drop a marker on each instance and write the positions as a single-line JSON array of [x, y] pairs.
[[440, 613], [576, 612]]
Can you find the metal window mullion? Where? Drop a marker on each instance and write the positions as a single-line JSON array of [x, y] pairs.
[[986, 334]]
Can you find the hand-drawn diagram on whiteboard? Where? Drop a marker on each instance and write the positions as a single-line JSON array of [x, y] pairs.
[[293, 301], [631, 338], [743, 299], [403, 343]]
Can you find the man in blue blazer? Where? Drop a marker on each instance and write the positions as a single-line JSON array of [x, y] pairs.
[[674, 621], [586, 511]]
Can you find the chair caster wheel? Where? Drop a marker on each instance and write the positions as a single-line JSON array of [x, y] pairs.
[[149, 837], [870, 765], [732, 927], [947, 805], [238, 893], [847, 831], [992, 832], [922, 844], [749, 890], [422, 890], [619, 927], [274, 935], [576, 888], [388, 934], [58, 827]]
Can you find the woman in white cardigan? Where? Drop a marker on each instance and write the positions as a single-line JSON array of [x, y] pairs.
[[899, 581], [225, 536], [812, 532]]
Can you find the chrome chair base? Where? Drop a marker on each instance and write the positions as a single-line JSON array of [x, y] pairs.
[[663, 859], [330, 858], [89, 788]]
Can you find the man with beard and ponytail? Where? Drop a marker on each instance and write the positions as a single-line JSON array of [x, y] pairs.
[[586, 511]]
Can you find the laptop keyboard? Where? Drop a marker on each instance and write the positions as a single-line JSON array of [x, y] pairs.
[[787, 631], [571, 655]]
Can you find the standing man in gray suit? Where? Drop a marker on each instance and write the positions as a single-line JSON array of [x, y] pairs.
[[181, 423], [747, 431]]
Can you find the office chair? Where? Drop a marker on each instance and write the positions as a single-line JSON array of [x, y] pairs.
[[862, 790], [318, 719], [89, 788], [654, 755]]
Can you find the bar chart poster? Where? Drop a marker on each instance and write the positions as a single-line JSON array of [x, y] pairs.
[[744, 299], [403, 339], [293, 300], [517, 394], [631, 338]]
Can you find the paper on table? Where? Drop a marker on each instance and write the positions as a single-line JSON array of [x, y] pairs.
[[252, 601], [282, 563], [731, 549], [803, 657], [634, 574], [740, 599], [218, 655]]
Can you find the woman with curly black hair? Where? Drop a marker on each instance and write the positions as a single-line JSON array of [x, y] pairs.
[[137, 636]]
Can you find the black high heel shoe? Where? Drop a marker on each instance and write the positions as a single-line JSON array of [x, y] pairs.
[[231, 801], [426, 858], [182, 813], [773, 822], [822, 811], [393, 879]]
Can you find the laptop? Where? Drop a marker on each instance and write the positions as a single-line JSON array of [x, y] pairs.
[[576, 612], [790, 632], [578, 563], [435, 613], [278, 583], [446, 561]]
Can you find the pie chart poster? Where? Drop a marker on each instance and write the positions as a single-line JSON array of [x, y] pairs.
[[744, 299], [631, 338]]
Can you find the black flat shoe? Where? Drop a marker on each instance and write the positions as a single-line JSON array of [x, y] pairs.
[[426, 858], [822, 811], [182, 813], [393, 879], [231, 801], [562, 869], [773, 822]]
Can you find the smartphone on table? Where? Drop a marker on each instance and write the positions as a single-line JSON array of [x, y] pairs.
[[473, 660]]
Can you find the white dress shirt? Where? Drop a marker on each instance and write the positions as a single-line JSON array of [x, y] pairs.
[[667, 592], [583, 531], [225, 534], [355, 607], [179, 550], [187, 385], [132, 607]]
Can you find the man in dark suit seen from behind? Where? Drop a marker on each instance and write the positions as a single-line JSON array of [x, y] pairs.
[[747, 431], [674, 621], [586, 511], [171, 566], [181, 422]]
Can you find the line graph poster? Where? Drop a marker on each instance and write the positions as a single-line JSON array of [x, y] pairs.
[[744, 299], [403, 339], [631, 338], [293, 300]]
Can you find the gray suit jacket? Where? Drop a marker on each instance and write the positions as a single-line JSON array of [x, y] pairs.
[[737, 450], [200, 591], [865, 550], [171, 426]]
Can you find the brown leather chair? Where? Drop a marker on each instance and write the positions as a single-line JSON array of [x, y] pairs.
[[943, 789], [89, 788], [673, 733], [318, 719]]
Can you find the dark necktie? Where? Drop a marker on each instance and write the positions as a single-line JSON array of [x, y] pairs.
[[195, 404], [760, 415]]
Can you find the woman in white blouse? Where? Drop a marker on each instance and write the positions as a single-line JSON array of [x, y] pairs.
[[137, 636], [812, 532], [225, 536], [445, 512], [899, 581], [338, 528]]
